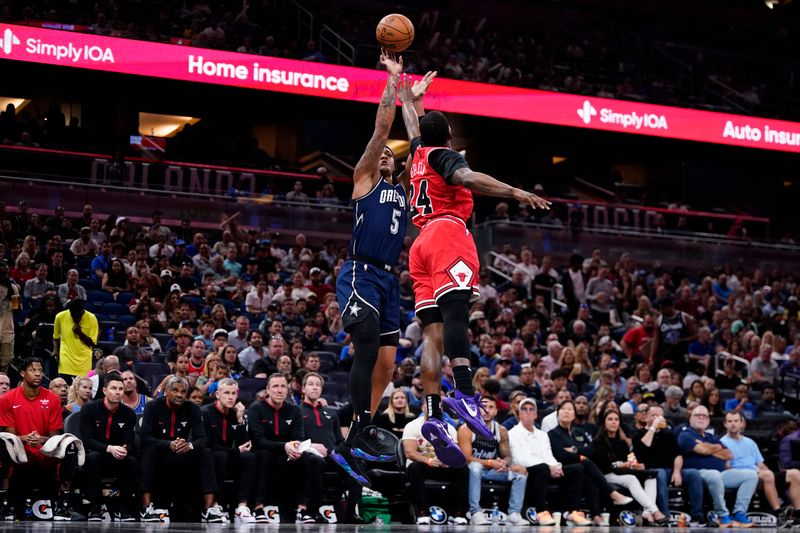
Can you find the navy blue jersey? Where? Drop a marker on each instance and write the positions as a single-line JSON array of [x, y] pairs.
[[379, 223]]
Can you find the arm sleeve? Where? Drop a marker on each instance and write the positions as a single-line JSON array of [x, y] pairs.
[[57, 327], [785, 452], [685, 442], [130, 432], [416, 142], [446, 162], [93, 330], [56, 422], [260, 441], [6, 416], [199, 439], [558, 444], [148, 423], [298, 428], [603, 458], [90, 442]]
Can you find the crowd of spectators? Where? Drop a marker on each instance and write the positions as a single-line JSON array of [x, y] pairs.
[[245, 305]]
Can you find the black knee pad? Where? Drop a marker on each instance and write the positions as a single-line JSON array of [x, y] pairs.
[[366, 336], [454, 307]]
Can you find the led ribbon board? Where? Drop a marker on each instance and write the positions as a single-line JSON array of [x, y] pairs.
[[126, 56]]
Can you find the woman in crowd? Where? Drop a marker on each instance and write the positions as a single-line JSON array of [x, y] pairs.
[[219, 315], [22, 270], [116, 279], [79, 393], [209, 373], [396, 415], [612, 458], [480, 377], [712, 402], [697, 391], [571, 445], [148, 342], [230, 357], [170, 309], [603, 395]]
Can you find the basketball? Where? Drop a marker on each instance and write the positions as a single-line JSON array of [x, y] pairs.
[[395, 32]]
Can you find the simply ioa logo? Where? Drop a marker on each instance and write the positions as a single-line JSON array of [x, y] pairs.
[[633, 120], [8, 40]]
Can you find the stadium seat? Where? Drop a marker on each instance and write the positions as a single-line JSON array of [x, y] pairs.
[[113, 309], [99, 297], [335, 390], [327, 361], [108, 347], [334, 347], [72, 424], [248, 387], [163, 339], [89, 285], [146, 370]]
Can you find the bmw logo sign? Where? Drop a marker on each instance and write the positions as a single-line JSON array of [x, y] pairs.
[[627, 518], [530, 514], [438, 515]]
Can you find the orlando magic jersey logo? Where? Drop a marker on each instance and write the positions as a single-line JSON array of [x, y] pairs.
[[379, 223]]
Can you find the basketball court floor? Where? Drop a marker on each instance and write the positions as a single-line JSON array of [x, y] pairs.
[[56, 527]]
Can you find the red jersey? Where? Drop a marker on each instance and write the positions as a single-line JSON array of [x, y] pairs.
[[42, 414], [431, 195]]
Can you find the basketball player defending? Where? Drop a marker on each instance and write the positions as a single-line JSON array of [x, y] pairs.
[[367, 290], [444, 266]]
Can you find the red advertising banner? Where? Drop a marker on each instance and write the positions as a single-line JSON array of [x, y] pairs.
[[125, 56]]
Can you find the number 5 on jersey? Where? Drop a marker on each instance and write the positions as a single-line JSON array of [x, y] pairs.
[[421, 202]]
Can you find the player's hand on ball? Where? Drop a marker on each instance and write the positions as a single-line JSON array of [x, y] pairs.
[[392, 62], [420, 87], [528, 198]]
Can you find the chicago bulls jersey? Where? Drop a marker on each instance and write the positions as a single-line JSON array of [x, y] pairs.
[[431, 195]]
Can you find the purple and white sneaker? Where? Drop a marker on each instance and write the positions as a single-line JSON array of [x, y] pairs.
[[447, 451], [468, 409]]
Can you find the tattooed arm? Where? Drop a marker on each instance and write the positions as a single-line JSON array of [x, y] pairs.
[[366, 173]]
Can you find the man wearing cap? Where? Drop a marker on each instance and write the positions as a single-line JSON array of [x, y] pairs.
[[219, 339], [179, 257], [532, 455], [317, 285], [84, 246], [75, 333]]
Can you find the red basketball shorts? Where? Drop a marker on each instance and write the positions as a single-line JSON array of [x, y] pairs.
[[443, 259]]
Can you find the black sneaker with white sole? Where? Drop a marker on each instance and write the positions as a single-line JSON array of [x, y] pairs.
[[6, 511], [62, 512], [124, 515], [95, 514], [151, 514], [260, 515]]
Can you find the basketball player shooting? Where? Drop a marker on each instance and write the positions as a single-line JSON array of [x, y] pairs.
[[367, 290], [444, 264]]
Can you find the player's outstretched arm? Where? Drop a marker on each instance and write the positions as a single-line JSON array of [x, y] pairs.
[[485, 184], [411, 95], [366, 172]]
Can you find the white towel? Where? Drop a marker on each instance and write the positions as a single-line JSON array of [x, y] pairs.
[[56, 446], [15, 448]]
